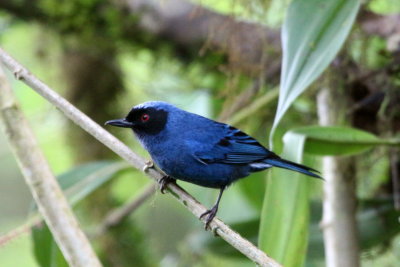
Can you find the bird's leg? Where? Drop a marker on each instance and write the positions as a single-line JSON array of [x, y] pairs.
[[213, 211], [164, 181]]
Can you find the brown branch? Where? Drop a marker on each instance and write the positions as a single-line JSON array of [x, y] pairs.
[[216, 226], [189, 25], [191, 29]]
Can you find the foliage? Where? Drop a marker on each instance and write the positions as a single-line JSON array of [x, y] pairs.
[[69, 16], [337, 141], [45, 248], [312, 34]]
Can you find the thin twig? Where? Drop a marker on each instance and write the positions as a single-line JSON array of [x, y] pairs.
[[240, 101], [43, 185], [20, 230], [116, 216], [255, 106], [217, 226]]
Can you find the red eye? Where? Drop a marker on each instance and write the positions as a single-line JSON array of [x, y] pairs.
[[145, 117]]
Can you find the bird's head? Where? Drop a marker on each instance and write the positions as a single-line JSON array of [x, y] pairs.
[[148, 118]]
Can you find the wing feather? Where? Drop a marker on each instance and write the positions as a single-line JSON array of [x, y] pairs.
[[235, 147]]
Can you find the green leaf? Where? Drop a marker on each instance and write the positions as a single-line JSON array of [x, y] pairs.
[[45, 249], [312, 34], [336, 141], [285, 214], [79, 182], [83, 180]]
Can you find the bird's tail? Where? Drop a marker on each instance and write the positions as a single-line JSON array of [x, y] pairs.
[[289, 165]]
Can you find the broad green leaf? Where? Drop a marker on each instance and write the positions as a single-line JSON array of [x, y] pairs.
[[312, 34], [285, 213], [335, 140], [45, 249]]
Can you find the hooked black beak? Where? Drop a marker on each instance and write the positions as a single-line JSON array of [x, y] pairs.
[[120, 123]]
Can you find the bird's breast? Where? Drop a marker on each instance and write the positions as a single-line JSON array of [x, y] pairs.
[[184, 166]]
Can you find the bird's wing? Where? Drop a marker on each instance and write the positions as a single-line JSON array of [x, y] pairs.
[[235, 147]]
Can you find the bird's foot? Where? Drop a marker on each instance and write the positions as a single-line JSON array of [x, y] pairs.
[[164, 181], [210, 216], [149, 164]]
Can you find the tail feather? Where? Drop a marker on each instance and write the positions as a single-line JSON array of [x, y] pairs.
[[289, 165]]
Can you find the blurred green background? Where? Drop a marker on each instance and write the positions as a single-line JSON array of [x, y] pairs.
[[104, 59]]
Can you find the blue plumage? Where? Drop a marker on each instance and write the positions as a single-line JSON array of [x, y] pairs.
[[198, 150]]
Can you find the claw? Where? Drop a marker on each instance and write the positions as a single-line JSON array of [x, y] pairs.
[[18, 74], [164, 181], [210, 216], [149, 164], [212, 212]]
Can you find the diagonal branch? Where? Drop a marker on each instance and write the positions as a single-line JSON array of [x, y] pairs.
[[45, 190], [217, 226]]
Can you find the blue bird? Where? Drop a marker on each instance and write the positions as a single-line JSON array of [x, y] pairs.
[[198, 150]]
